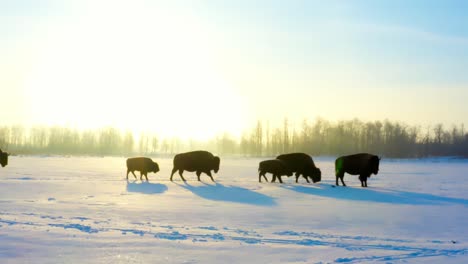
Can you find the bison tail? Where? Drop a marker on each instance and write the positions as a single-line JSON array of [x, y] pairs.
[[338, 166], [175, 161]]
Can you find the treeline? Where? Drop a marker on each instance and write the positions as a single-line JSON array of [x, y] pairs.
[[58, 140], [321, 137], [387, 138]]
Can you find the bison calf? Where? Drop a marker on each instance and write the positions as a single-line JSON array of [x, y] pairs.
[[199, 161], [276, 167], [362, 164], [302, 164], [143, 165], [3, 158]]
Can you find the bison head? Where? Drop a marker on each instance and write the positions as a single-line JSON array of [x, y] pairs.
[[316, 175], [375, 164], [286, 169], [216, 162], [155, 167], [4, 158]]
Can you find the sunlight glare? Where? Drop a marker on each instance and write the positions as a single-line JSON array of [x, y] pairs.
[[147, 72]]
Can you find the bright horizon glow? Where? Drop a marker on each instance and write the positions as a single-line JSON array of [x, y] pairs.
[[132, 74], [194, 70]]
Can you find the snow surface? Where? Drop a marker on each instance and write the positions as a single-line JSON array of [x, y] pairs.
[[82, 210]]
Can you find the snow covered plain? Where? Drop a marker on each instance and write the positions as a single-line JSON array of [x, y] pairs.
[[82, 210]]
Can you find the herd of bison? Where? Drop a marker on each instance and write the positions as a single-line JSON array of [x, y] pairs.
[[301, 164]]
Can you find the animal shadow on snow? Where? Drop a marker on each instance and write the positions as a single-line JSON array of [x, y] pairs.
[[219, 192], [145, 187], [378, 195]]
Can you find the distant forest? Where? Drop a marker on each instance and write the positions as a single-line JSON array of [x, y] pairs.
[[317, 138]]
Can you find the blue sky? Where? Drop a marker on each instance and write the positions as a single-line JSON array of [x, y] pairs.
[[402, 60]]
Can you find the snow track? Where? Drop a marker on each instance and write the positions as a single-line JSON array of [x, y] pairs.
[[390, 249]]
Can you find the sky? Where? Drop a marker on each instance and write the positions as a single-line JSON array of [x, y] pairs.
[[198, 68]]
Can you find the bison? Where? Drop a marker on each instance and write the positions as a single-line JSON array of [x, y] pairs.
[[198, 161], [276, 167], [302, 164], [362, 164], [143, 165], [4, 158]]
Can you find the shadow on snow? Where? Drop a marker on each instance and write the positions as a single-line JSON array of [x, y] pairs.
[[146, 187], [379, 195], [219, 192]]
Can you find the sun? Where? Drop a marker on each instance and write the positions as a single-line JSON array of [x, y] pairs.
[[147, 72]]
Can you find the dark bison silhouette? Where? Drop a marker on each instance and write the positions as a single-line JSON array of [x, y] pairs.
[[3, 158], [198, 161], [143, 165], [276, 167], [302, 164], [362, 164]]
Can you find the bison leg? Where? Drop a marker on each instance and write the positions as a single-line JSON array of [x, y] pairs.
[[173, 171], [133, 174], [198, 175], [273, 179], [209, 174], [340, 176], [279, 178], [363, 179], [143, 173], [297, 176], [305, 177], [342, 180], [180, 173], [260, 176]]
